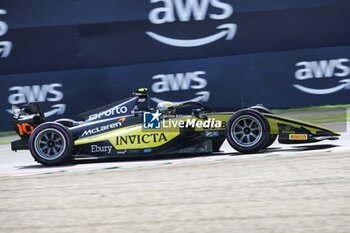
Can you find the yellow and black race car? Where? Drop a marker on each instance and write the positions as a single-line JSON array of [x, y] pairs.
[[131, 127]]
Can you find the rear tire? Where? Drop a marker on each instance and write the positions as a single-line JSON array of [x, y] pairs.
[[248, 131], [51, 144]]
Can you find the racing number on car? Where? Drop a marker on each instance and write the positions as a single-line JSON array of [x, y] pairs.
[[25, 128]]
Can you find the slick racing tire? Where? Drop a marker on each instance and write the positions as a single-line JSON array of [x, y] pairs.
[[248, 131], [51, 144], [263, 109]]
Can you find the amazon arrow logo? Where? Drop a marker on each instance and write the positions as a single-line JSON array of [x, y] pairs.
[[345, 84], [202, 96], [228, 31], [58, 109], [170, 11]]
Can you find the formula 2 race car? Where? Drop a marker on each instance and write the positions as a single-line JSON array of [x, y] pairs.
[[131, 127]]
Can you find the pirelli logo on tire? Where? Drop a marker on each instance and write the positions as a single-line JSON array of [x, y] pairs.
[[302, 137]]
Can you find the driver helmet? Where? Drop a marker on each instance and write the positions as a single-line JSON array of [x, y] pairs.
[[164, 106]]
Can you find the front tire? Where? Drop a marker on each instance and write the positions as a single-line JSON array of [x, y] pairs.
[[51, 144], [263, 109], [248, 131]]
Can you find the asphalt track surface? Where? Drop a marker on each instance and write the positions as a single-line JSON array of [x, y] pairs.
[[287, 188]]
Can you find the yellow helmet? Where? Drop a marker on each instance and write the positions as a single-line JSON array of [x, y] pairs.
[[164, 106]]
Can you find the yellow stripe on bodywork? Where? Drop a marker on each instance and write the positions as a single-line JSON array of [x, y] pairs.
[[133, 136], [213, 118], [293, 122]]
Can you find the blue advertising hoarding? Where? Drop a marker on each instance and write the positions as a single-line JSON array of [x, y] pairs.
[[71, 34], [276, 79], [77, 55]]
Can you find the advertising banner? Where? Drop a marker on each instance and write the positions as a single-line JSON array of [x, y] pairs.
[[77, 55], [70, 34], [276, 79]]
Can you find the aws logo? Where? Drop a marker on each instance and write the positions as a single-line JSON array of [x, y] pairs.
[[5, 46], [184, 11], [181, 82], [38, 93], [320, 70]]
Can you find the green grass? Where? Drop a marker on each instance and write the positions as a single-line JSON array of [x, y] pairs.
[[7, 133], [4, 142], [319, 118], [323, 107], [328, 118]]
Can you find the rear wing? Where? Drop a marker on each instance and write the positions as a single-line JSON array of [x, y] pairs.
[[32, 108]]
